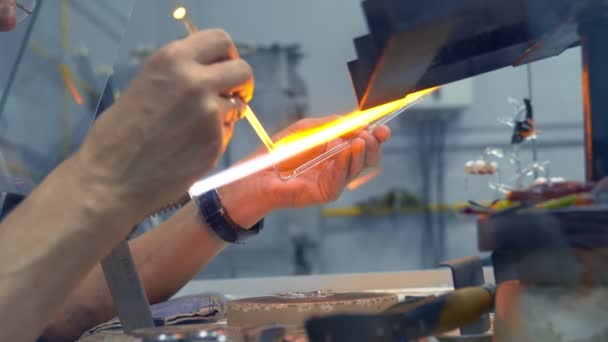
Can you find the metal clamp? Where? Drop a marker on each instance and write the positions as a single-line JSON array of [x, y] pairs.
[[466, 272]]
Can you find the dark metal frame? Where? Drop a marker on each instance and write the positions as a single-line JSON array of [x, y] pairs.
[[593, 29], [467, 272]]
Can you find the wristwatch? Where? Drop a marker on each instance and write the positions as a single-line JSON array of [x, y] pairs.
[[215, 216]]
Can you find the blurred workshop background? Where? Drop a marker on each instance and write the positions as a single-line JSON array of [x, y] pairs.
[[72, 55]]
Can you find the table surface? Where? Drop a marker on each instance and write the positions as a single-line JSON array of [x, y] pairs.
[[423, 282]]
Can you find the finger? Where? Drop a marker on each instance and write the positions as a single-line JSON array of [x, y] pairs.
[[357, 158], [228, 110], [209, 46], [339, 171], [227, 132], [372, 150], [225, 111], [302, 158], [382, 133], [229, 77], [7, 15]]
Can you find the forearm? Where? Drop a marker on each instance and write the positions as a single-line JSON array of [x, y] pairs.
[[167, 258], [46, 249]]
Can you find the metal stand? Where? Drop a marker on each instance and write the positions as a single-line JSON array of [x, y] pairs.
[[128, 294], [593, 29], [431, 128], [468, 272]]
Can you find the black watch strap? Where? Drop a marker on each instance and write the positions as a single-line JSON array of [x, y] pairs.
[[214, 215]]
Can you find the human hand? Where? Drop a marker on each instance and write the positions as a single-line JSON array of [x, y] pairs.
[[171, 125], [325, 182], [264, 191]]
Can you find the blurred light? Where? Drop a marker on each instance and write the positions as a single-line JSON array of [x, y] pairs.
[[356, 183], [180, 13], [303, 141]]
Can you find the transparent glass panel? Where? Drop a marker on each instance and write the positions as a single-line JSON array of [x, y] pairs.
[[53, 69]]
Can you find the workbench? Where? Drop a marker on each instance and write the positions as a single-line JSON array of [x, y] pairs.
[[411, 283]]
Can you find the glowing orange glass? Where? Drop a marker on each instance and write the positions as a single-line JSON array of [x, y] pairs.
[[303, 141]]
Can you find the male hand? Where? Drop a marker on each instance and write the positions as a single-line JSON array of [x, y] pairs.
[[171, 125], [325, 182], [264, 191]]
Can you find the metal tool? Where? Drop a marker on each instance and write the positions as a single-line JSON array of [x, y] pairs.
[[128, 294], [434, 315], [468, 271]]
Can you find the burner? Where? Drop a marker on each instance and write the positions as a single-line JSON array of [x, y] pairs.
[[292, 309]]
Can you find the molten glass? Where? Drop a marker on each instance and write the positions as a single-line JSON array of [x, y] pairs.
[[259, 129], [300, 141], [303, 141]]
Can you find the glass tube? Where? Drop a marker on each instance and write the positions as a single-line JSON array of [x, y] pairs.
[[339, 148]]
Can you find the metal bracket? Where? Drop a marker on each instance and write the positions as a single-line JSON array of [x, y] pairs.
[[467, 272], [128, 294]]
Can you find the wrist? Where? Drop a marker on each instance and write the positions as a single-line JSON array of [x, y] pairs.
[[100, 198], [245, 201]]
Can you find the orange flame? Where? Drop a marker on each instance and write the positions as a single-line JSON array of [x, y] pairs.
[[304, 140], [357, 182], [69, 83], [317, 136]]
